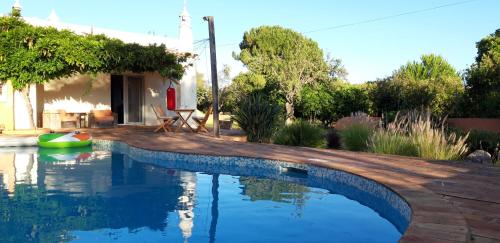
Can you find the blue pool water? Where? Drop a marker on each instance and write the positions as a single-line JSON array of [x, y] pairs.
[[105, 194]]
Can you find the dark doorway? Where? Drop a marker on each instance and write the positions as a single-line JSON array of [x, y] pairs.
[[117, 96]]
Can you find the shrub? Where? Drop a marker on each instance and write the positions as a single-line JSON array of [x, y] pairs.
[[417, 134], [392, 142], [333, 139], [301, 133], [355, 136], [484, 140], [330, 101], [430, 136], [431, 82], [433, 142], [204, 98], [257, 117]]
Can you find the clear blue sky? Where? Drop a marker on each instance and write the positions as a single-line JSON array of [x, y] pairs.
[[368, 51]]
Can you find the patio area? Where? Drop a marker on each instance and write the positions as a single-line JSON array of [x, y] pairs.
[[451, 202]]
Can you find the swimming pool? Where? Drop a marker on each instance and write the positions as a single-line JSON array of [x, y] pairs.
[[114, 192]]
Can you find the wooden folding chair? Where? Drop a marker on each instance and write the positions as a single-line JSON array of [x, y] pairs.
[[166, 122], [202, 121]]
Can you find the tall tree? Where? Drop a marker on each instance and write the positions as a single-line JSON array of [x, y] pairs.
[[432, 83], [286, 59], [483, 79], [330, 101]]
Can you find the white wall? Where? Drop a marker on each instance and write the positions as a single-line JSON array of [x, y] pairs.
[[156, 92], [21, 118], [75, 94], [188, 89]]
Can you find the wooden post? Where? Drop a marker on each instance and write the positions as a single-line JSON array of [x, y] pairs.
[[215, 82]]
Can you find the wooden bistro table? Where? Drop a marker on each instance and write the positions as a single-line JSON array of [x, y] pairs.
[[184, 118], [82, 118]]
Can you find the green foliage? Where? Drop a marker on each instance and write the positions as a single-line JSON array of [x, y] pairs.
[[277, 191], [203, 93], [483, 140], [432, 141], [393, 139], [228, 95], [386, 100], [246, 83], [286, 59], [228, 99], [257, 117], [333, 139], [331, 101], [316, 103], [204, 98], [417, 134], [355, 136], [301, 133], [274, 190], [482, 97], [392, 142], [35, 55], [431, 83]]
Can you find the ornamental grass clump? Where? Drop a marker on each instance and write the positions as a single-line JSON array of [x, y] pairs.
[[355, 136], [431, 140], [257, 117], [417, 134], [393, 139], [301, 133]]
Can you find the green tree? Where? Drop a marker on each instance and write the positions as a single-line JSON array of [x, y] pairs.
[[384, 98], [246, 83], [286, 59], [227, 98], [431, 83], [483, 79], [330, 101], [203, 93]]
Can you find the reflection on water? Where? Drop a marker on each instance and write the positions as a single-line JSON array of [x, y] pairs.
[[105, 193], [278, 191], [88, 196]]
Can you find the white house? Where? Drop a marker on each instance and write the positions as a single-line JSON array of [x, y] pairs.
[[127, 94]]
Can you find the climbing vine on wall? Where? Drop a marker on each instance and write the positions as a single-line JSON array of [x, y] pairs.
[[31, 55], [34, 55]]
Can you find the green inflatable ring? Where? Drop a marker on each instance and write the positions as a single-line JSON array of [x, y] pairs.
[[64, 144], [46, 141]]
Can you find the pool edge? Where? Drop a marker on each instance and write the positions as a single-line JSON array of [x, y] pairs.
[[444, 223]]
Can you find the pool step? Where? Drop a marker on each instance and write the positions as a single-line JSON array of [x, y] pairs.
[[293, 171]]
